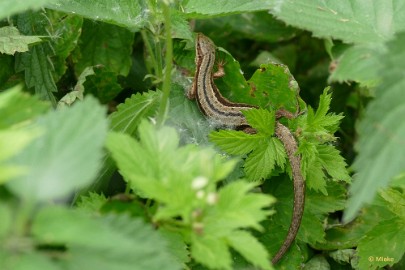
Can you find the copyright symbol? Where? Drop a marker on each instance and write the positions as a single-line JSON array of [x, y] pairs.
[[371, 258]]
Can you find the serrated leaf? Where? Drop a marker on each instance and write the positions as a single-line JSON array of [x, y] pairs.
[[353, 22], [395, 200], [36, 63], [244, 243], [359, 63], [212, 252], [152, 167], [135, 245], [126, 119], [260, 163], [259, 26], [91, 203], [11, 7], [320, 124], [385, 240], [333, 162], [263, 121], [66, 30], [114, 55], [236, 142], [236, 208], [11, 41], [380, 132], [19, 107], [127, 13], [223, 6], [65, 157]]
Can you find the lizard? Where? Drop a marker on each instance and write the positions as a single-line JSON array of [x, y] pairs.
[[226, 113]]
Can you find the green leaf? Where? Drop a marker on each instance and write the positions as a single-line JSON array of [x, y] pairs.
[[126, 13], [104, 44], [273, 86], [260, 163], [333, 162], [236, 208], [66, 157], [386, 240], [211, 251], [359, 63], [261, 120], [236, 142], [89, 240], [319, 126], [103, 84], [11, 7], [244, 243], [126, 119], [395, 200], [19, 107], [157, 168], [11, 41], [258, 26], [66, 30], [380, 132], [27, 261], [353, 22], [20, 139], [36, 63], [202, 7]]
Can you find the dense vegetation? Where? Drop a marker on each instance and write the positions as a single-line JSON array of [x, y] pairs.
[[105, 163]]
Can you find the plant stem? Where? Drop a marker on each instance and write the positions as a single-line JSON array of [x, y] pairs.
[[168, 69]]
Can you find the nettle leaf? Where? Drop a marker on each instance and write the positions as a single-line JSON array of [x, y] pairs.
[[11, 41], [66, 157], [11, 7], [201, 7], [352, 22], [380, 132], [126, 13], [66, 30], [104, 44], [385, 241], [89, 240], [36, 63], [359, 63]]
